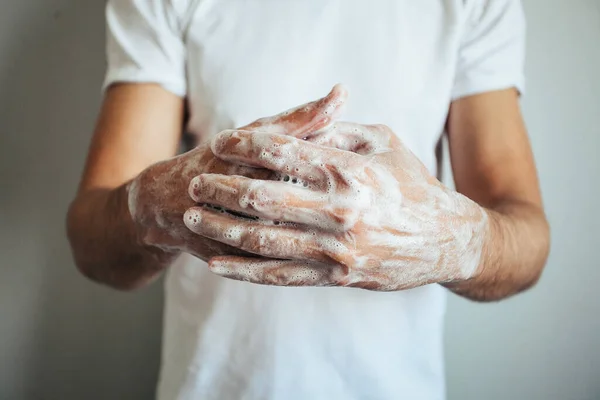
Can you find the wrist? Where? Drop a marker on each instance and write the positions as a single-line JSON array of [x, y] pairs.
[[140, 232], [129, 195], [472, 232], [487, 237]]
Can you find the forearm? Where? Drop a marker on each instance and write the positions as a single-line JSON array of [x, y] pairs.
[[104, 242], [514, 254]]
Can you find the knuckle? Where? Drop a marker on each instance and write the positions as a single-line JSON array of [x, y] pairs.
[[259, 196], [382, 133], [381, 129], [223, 140], [346, 218], [263, 246], [259, 243], [353, 166]]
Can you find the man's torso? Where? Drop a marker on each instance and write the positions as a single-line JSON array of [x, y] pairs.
[[252, 58]]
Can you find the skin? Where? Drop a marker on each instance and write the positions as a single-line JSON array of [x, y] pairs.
[[493, 164], [376, 220], [138, 126], [126, 225], [494, 170]]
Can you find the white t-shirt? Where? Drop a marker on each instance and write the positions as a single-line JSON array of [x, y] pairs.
[[404, 61]]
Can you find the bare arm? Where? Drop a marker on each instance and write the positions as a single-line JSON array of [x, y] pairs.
[[126, 223], [376, 217], [139, 125], [493, 165]]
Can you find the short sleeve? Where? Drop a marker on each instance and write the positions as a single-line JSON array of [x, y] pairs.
[[492, 51], [144, 44]]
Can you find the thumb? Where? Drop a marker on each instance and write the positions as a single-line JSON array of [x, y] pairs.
[[305, 119]]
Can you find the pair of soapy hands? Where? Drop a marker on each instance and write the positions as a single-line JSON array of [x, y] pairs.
[[301, 199]]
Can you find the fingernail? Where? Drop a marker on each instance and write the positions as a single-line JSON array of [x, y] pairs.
[[192, 218], [341, 89], [219, 268], [195, 188]]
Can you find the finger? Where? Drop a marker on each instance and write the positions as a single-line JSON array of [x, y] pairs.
[[283, 154], [218, 166], [277, 272], [306, 118], [202, 158], [204, 248], [257, 237], [357, 138], [273, 201]]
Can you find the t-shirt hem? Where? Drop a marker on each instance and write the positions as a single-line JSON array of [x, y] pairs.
[[472, 88], [176, 87]]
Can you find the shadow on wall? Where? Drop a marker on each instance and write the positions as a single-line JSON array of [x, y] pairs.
[[61, 336]]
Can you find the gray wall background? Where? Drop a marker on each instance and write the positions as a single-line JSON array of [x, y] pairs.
[[62, 337]]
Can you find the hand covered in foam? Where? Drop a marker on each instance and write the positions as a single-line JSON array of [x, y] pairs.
[[350, 206], [158, 197]]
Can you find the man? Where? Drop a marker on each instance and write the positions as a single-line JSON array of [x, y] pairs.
[[303, 199]]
